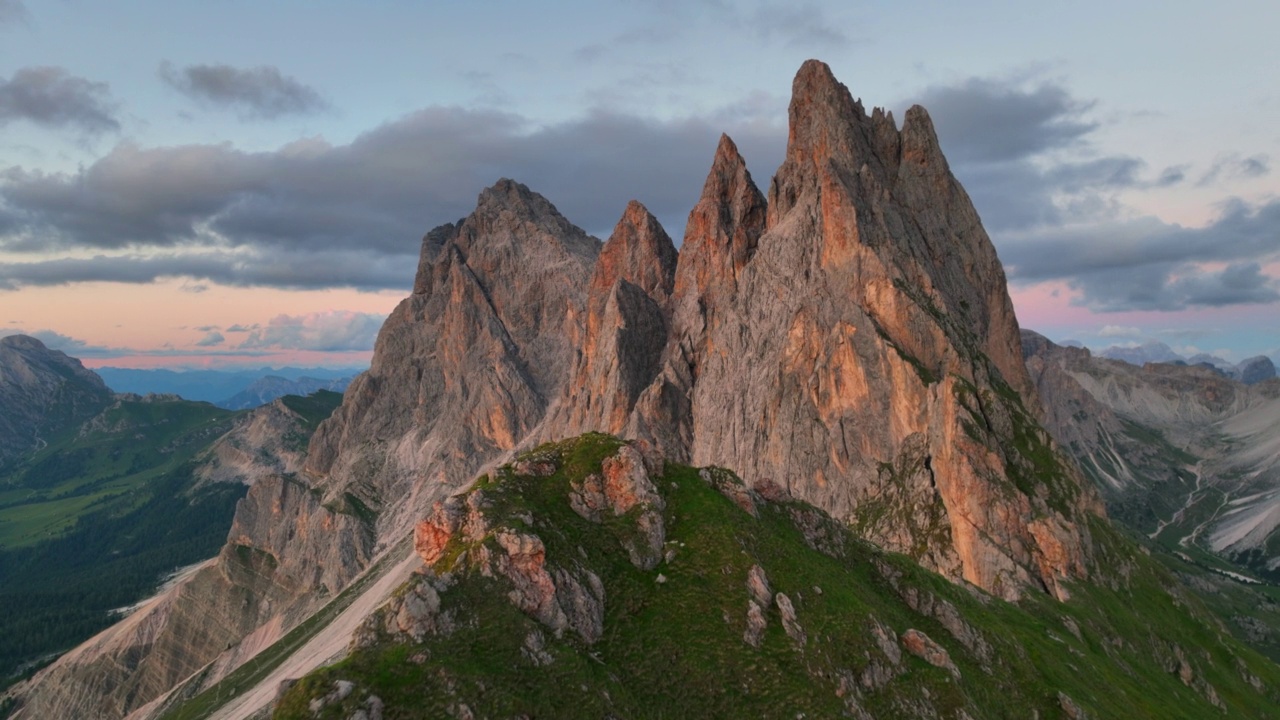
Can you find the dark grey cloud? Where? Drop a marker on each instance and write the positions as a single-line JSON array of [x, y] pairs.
[[1023, 151], [993, 120], [1051, 202], [1242, 233], [258, 92], [52, 97], [265, 268], [13, 12], [1172, 288], [375, 196], [1145, 264], [801, 26]]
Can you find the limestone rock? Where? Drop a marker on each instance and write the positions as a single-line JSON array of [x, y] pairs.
[[1070, 708], [431, 536], [923, 647], [553, 596], [758, 586], [789, 622], [257, 446], [731, 487], [1256, 369], [626, 327], [860, 320], [756, 624], [624, 484], [761, 599]]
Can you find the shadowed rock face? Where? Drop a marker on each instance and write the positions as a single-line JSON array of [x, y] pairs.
[[850, 342], [466, 366], [626, 329]]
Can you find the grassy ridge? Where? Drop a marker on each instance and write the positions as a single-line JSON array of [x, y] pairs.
[[1131, 643]]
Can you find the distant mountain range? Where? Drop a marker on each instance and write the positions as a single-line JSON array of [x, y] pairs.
[[228, 388], [265, 389], [1249, 371]]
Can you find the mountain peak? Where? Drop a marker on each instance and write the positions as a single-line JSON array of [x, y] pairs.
[[640, 252], [822, 113], [22, 342], [507, 195]]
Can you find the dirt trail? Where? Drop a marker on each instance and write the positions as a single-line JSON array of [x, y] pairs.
[[329, 644]]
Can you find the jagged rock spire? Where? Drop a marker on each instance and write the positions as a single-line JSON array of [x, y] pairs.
[[640, 252]]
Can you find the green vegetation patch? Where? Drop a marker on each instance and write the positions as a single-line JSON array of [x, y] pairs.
[[1131, 643]]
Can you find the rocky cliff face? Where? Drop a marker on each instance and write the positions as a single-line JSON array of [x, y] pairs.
[[849, 342], [852, 340], [42, 392], [268, 441]]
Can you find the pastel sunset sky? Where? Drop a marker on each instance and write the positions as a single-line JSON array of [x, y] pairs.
[[246, 183]]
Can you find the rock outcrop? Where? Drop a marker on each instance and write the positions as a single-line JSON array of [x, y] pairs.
[[42, 392], [267, 441]]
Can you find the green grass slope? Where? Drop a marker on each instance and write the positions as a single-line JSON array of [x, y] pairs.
[[109, 464], [1131, 643]]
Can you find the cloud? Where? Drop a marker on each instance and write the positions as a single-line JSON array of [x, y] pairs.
[[1234, 167], [1055, 206], [1119, 331], [801, 26], [13, 12], [333, 331], [995, 120], [72, 346], [1023, 149], [1145, 264], [52, 97], [237, 328], [365, 204], [211, 339], [290, 269], [261, 92], [1241, 232]]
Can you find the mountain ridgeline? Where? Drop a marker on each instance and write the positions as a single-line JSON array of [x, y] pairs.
[[843, 343]]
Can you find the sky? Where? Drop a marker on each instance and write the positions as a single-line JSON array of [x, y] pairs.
[[235, 183]]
